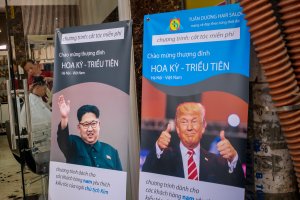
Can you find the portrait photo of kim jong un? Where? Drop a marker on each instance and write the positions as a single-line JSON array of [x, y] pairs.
[[85, 149], [86, 129]]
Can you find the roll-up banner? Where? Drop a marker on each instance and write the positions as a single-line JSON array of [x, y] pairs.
[[194, 104], [90, 112]]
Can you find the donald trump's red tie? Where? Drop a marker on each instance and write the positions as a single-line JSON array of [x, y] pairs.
[[192, 168]]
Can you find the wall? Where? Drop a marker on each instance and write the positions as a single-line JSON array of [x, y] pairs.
[[91, 12]]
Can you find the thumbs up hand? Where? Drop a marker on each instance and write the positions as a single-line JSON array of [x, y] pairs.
[[164, 138], [225, 148]]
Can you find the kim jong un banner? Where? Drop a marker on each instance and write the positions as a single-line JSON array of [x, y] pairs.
[[90, 112], [194, 104]]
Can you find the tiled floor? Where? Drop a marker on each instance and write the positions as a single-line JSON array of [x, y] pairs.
[[10, 177]]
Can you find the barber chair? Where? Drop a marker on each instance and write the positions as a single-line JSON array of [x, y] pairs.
[[29, 145]]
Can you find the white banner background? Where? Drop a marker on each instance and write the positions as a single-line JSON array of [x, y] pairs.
[[160, 187], [69, 182]]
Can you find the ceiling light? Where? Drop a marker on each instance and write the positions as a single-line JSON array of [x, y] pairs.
[[3, 47]]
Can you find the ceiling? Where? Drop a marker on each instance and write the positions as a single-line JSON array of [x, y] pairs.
[[36, 2]]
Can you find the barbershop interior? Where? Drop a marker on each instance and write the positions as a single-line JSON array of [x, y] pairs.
[[270, 137]]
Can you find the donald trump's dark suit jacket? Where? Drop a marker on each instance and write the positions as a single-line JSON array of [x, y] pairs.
[[213, 168]]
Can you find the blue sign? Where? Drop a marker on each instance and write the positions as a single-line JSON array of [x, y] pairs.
[[187, 47]]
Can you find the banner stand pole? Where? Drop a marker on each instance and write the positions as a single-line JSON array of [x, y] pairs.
[[134, 136]]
